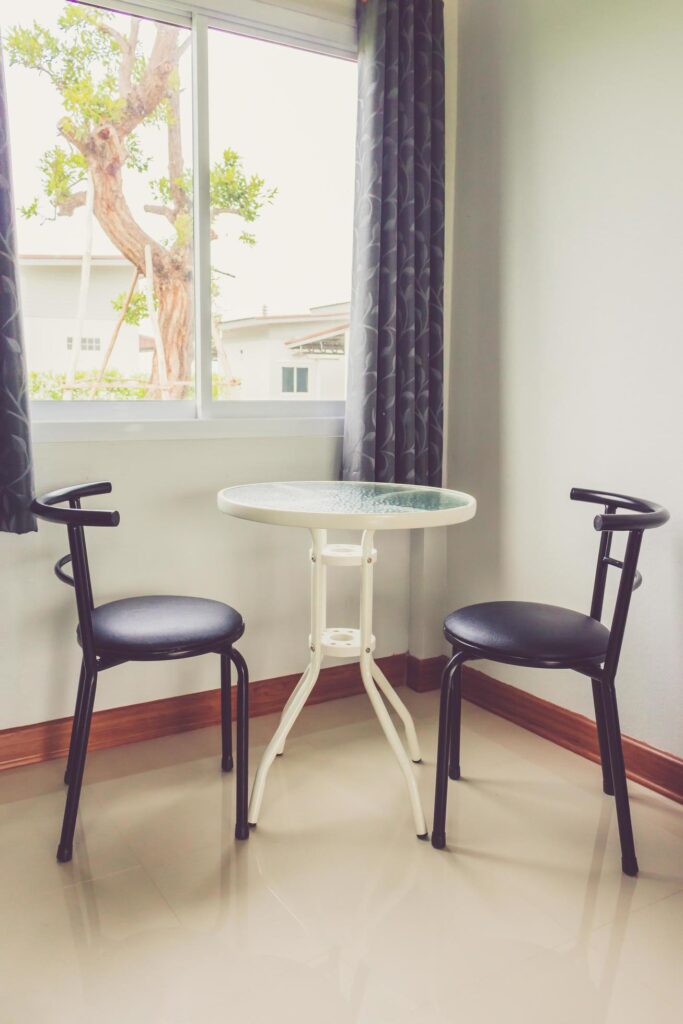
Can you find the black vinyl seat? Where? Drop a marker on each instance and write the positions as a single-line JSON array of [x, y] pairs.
[[524, 633], [545, 636], [155, 628]]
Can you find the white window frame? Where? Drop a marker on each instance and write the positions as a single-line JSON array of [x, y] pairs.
[[290, 396], [206, 417]]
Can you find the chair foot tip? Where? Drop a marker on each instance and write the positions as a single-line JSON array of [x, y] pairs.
[[280, 753], [454, 773], [226, 764], [608, 790], [66, 778], [417, 760], [438, 840], [424, 836], [252, 824], [64, 854], [241, 831], [629, 867]]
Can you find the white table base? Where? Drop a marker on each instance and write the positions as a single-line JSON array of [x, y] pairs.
[[341, 642]]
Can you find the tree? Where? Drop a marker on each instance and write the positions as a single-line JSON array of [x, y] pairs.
[[110, 89]]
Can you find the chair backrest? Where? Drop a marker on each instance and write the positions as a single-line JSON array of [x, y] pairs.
[[75, 518], [641, 515]]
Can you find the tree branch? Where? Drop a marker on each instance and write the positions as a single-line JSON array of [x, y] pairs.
[[72, 138], [163, 211], [68, 206], [145, 97], [128, 59], [217, 211], [110, 31], [175, 154]]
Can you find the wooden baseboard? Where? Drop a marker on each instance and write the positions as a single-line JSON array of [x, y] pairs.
[[424, 674], [30, 744], [647, 765], [655, 769]]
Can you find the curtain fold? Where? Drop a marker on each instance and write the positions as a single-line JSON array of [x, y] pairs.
[[394, 408], [16, 466]]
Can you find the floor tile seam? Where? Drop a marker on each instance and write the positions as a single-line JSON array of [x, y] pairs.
[[53, 890], [640, 909]]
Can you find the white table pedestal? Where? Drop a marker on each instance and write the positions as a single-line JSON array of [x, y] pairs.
[[342, 642]]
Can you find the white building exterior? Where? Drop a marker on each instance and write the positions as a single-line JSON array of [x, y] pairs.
[[293, 356], [49, 292], [286, 357]]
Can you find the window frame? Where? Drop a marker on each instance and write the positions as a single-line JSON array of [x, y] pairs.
[[108, 420]]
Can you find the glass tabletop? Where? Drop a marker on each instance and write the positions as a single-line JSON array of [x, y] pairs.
[[312, 502]]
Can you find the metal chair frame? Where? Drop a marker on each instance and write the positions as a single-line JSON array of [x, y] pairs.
[[641, 515], [75, 518]]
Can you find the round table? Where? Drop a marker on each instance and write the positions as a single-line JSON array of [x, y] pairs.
[[320, 506]]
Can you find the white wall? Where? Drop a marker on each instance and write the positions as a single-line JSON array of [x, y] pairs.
[[567, 360], [172, 539]]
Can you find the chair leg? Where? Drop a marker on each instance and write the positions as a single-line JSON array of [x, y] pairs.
[[445, 735], [456, 708], [75, 725], [226, 715], [629, 864], [65, 848], [607, 784], [242, 802]]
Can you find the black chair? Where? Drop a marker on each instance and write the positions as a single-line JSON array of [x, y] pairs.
[[544, 636], [140, 629]]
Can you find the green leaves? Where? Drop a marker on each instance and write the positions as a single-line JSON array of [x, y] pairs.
[[114, 386], [137, 311], [234, 191], [31, 210], [62, 172], [82, 61]]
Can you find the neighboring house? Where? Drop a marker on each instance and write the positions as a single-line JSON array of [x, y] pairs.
[[299, 355], [49, 290], [292, 356]]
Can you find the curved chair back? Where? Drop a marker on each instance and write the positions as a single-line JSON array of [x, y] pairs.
[[641, 515], [49, 507]]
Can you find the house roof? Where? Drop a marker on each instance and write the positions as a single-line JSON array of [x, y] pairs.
[[270, 321], [71, 260], [330, 332]]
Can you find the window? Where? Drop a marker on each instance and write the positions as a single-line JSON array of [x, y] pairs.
[[108, 246], [87, 344], [105, 243], [283, 159], [294, 380]]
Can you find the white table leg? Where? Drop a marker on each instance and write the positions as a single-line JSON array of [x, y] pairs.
[[378, 705], [300, 694], [290, 700], [278, 740], [400, 709]]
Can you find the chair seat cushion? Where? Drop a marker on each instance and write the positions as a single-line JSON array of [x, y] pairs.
[[156, 626], [527, 633]]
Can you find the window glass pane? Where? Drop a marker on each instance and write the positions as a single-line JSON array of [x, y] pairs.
[[103, 187], [282, 140]]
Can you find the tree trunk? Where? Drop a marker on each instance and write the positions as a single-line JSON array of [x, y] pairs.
[[172, 269], [174, 295]]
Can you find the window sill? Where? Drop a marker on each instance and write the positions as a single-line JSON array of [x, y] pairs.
[[85, 431]]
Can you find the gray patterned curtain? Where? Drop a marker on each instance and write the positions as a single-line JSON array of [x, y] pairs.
[[394, 406], [16, 468]]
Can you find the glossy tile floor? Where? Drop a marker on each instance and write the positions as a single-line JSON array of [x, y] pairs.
[[333, 911]]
